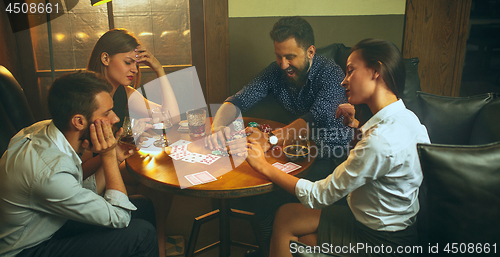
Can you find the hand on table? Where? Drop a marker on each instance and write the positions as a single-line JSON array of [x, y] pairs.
[[123, 151], [260, 137], [218, 139], [347, 111], [256, 157]]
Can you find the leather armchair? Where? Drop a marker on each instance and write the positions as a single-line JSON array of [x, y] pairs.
[[15, 113], [460, 120], [462, 194]]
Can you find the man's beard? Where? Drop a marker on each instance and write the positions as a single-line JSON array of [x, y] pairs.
[[300, 74]]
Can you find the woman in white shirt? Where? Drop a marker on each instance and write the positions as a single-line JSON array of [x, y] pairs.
[[380, 177]]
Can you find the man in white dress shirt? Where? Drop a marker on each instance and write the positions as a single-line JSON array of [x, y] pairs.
[[49, 204]]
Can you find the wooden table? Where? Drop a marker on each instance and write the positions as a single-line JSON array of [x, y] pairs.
[[235, 178]]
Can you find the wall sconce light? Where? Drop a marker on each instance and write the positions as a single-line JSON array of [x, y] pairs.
[[98, 2]]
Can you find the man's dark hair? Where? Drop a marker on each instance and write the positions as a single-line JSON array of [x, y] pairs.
[[384, 57], [295, 27], [74, 93]]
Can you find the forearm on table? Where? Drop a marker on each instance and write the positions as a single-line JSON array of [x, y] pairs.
[[225, 115], [283, 180]]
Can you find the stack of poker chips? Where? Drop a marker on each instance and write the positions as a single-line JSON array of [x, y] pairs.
[[239, 132]]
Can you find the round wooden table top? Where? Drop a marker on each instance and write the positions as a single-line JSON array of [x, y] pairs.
[[235, 177]]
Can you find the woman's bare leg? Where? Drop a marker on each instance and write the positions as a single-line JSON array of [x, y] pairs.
[[292, 221]]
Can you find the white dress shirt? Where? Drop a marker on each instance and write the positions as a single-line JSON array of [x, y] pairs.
[[381, 175], [41, 188]]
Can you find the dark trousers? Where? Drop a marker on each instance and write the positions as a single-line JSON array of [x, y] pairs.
[[80, 239]]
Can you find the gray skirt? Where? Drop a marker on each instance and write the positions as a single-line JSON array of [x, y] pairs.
[[340, 232]]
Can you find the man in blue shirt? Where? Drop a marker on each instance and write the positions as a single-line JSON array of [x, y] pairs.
[[49, 204], [305, 84]]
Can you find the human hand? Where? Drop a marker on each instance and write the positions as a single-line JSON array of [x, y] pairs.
[[238, 147], [123, 151], [102, 140], [218, 139], [347, 111], [144, 56], [256, 157], [260, 137], [141, 125]]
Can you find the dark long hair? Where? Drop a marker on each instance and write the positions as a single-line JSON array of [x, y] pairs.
[[113, 42], [384, 57]]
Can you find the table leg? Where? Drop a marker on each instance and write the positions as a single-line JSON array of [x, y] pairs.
[[223, 213], [162, 202], [224, 230]]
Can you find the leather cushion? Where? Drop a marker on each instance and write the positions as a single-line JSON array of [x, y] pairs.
[[463, 192], [449, 120], [487, 126], [337, 51], [14, 101]]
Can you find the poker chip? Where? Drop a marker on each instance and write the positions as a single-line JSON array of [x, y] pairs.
[[238, 125], [253, 124], [238, 136], [265, 128], [220, 153]]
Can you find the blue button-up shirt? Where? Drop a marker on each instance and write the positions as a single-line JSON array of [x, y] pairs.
[[316, 101], [41, 188]]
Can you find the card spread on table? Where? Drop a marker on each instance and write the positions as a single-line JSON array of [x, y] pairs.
[[179, 151], [288, 167], [200, 178], [194, 157]]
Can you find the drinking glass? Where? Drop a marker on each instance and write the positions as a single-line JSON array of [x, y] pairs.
[[127, 136], [296, 145], [196, 121], [162, 124]]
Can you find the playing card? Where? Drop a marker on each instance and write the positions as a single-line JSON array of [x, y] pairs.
[[204, 177], [209, 159], [178, 148], [180, 154], [181, 142], [279, 165], [194, 157], [192, 179], [290, 166], [200, 178]]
